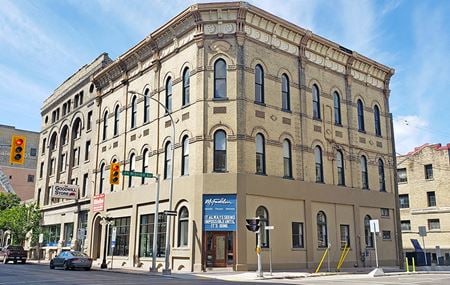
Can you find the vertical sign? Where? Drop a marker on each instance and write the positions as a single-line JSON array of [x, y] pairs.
[[219, 212], [98, 203], [113, 237], [374, 226]]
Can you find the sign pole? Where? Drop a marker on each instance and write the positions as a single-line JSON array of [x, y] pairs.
[[155, 227], [375, 228], [376, 250], [113, 244], [424, 250], [259, 273]]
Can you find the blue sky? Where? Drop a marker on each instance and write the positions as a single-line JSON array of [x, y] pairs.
[[42, 42]]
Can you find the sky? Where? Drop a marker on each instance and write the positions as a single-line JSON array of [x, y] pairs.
[[43, 42]]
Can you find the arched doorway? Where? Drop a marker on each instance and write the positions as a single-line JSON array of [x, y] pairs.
[[96, 237]]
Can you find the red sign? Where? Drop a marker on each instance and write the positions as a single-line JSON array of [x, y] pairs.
[[98, 203]]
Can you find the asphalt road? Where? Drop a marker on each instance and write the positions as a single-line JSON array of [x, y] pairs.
[[18, 274]]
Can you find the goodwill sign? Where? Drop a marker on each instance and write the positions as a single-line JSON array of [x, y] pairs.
[[219, 212]]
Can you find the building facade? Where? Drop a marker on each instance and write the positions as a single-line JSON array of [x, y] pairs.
[[424, 200], [270, 120], [18, 178]]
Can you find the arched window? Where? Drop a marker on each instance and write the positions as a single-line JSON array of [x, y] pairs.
[[285, 93], [186, 86], [319, 166], [64, 135], [220, 151], [263, 216], [133, 111], [381, 175], [316, 102], [185, 158], [364, 176], [220, 79], [376, 114], [53, 142], [169, 94], [337, 109], [183, 227], [360, 107], [81, 98], [76, 129], [367, 234], [116, 120], [105, 124], [144, 164], [287, 158], [168, 160], [260, 154], [102, 178], [322, 231], [259, 84], [340, 168], [146, 105], [132, 167]]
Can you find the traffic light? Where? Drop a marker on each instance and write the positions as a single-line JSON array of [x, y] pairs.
[[17, 153], [114, 173], [253, 224]]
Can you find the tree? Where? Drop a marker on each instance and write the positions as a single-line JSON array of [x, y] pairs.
[[8, 200], [21, 219]]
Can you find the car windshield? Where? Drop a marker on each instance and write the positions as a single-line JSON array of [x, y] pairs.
[[14, 247], [78, 254]]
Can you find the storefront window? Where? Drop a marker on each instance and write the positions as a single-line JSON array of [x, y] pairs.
[[122, 236], [146, 235]]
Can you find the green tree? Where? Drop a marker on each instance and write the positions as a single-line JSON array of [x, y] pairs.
[[20, 220], [8, 200]]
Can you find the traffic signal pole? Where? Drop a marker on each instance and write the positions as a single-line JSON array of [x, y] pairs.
[[155, 227]]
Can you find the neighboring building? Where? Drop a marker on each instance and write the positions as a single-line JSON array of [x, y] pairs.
[[18, 178], [270, 119], [424, 198]]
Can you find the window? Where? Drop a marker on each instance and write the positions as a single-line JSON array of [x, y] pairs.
[[168, 160], [367, 234], [402, 175], [76, 156], [64, 135], [75, 101], [105, 124], [376, 115], [169, 95], [285, 93], [259, 84], [364, 175], [220, 79], [132, 167], [186, 86], [53, 142], [44, 145], [89, 120], [63, 162], [116, 120], [91, 88], [384, 212], [428, 171], [41, 170], [322, 231], [76, 129], [68, 234], [30, 178], [144, 164], [287, 158], [434, 224], [297, 235], [185, 158], [183, 227], [33, 151], [319, 166], [134, 111], [146, 235], [102, 178], [386, 235], [381, 178], [263, 216], [84, 190], [220, 151], [345, 235], [316, 102], [337, 108], [431, 198], [340, 167], [405, 225], [52, 166], [146, 105], [122, 236], [260, 155], [81, 98], [404, 200], [360, 108], [87, 150], [51, 235]]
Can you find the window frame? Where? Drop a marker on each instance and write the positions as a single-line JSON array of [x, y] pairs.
[[318, 158], [287, 158], [360, 110], [263, 214], [381, 176], [368, 237], [402, 199], [285, 93], [340, 168], [220, 94], [185, 156], [260, 154], [168, 98], [259, 84], [297, 237], [220, 153], [183, 227], [428, 168], [116, 120], [133, 121], [431, 199], [186, 87], [145, 165], [105, 125], [322, 230], [377, 120], [316, 102], [167, 160], [131, 167], [146, 105], [337, 108], [364, 172]]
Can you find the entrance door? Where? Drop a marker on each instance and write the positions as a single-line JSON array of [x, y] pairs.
[[217, 251]]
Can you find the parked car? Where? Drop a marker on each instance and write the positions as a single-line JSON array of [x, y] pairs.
[[71, 260], [13, 253]]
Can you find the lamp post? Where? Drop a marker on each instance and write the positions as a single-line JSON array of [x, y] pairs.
[[106, 221], [167, 253]]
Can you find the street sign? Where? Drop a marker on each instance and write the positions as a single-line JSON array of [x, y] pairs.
[[374, 226], [41, 238], [268, 227], [170, 213], [65, 191], [113, 237], [81, 233], [137, 174], [422, 231], [98, 203]]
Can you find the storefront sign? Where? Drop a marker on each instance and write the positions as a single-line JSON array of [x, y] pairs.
[[65, 191], [219, 212], [98, 203]]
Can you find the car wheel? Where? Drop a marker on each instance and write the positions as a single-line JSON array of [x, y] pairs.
[[24, 261], [51, 265], [15, 261], [66, 266]]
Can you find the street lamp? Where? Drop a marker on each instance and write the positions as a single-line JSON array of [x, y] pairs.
[[106, 222], [166, 259]]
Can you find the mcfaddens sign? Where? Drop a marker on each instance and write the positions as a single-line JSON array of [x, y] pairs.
[[65, 191], [219, 212]]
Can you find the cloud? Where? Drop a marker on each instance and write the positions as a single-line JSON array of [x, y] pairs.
[[410, 131]]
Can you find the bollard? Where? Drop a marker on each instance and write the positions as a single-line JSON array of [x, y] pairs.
[[406, 264], [413, 265]]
